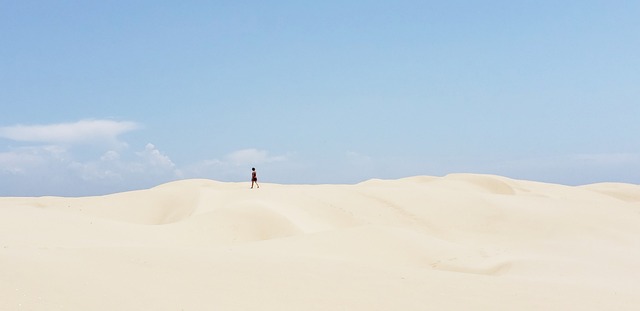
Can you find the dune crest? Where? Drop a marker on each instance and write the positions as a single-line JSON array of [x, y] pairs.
[[462, 241]]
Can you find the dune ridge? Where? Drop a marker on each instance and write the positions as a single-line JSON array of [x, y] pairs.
[[462, 241]]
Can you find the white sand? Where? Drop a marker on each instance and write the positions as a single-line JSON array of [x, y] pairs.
[[460, 242]]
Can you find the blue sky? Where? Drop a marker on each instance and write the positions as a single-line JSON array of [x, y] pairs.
[[106, 96]]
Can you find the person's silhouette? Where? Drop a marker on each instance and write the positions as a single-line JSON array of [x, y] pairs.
[[254, 177]]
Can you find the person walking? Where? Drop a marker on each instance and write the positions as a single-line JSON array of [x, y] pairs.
[[254, 177]]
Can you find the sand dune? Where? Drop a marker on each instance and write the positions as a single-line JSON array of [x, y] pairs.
[[459, 242]]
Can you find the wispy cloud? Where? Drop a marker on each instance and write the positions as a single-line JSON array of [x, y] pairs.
[[84, 157], [155, 158], [59, 170], [228, 167], [21, 161], [69, 133], [49, 169], [112, 165]]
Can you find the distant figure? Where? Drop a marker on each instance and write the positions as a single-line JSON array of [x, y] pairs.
[[254, 177]]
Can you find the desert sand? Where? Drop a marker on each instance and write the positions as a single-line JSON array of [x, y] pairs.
[[459, 242]]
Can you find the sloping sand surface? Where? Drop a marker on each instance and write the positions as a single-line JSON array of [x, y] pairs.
[[459, 242]]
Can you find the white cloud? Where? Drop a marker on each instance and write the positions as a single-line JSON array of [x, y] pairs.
[[39, 170], [79, 158], [110, 155], [14, 162], [147, 164], [69, 133], [94, 171], [154, 158], [29, 159], [234, 166]]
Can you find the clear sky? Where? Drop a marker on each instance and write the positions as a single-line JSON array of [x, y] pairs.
[[106, 96]]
